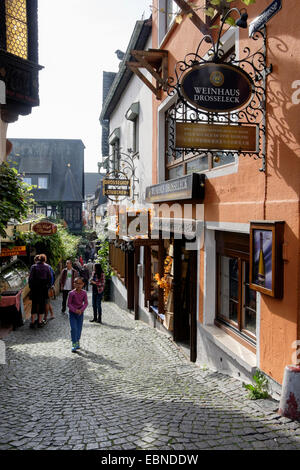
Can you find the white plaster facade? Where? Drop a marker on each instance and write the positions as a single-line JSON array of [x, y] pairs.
[[136, 92]]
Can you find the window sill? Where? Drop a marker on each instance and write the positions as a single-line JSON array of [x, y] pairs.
[[230, 346]]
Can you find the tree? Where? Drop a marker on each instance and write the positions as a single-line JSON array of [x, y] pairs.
[[60, 246], [15, 197]]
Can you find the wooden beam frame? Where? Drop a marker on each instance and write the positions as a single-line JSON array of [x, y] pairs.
[[195, 19], [156, 62]]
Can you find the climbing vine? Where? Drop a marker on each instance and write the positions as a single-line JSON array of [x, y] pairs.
[[210, 8]]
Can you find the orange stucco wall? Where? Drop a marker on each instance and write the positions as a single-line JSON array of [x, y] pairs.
[[253, 195]]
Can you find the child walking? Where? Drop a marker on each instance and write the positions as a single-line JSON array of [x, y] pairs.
[[77, 303]]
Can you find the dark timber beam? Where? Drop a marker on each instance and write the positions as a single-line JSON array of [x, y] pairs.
[[195, 19]]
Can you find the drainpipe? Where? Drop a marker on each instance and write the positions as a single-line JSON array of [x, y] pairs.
[[3, 125]]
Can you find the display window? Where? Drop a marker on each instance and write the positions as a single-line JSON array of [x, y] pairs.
[[154, 288], [236, 302]]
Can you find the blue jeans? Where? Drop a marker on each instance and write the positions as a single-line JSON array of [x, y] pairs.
[[97, 308], [76, 322]]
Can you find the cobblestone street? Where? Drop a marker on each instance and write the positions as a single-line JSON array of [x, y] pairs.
[[129, 387]]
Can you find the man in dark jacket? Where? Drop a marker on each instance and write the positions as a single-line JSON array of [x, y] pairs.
[[68, 275], [39, 283]]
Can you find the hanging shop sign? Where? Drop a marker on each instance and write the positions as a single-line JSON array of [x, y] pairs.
[[220, 137], [217, 88], [260, 21], [115, 186], [44, 228], [179, 189], [14, 251]]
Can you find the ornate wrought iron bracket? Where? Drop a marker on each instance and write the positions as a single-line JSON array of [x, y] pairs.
[[125, 166], [253, 113]]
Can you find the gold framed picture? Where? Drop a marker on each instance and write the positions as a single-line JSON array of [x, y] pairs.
[[266, 263]]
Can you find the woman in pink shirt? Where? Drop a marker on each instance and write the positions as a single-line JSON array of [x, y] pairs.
[[77, 303]]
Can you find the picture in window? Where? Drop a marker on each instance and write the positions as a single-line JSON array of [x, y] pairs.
[[262, 267]]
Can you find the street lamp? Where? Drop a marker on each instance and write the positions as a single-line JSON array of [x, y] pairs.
[[241, 22]]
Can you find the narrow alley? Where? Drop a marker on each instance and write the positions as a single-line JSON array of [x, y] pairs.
[[128, 388]]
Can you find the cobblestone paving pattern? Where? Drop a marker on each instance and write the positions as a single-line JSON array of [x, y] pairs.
[[129, 387]]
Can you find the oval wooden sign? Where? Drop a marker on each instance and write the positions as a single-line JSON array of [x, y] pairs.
[[217, 88], [44, 228]]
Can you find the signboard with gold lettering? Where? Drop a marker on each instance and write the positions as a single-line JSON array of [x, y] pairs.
[[116, 185], [216, 137], [14, 251], [179, 189], [44, 228], [216, 87]]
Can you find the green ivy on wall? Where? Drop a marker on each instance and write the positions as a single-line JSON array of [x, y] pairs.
[[58, 247], [103, 257]]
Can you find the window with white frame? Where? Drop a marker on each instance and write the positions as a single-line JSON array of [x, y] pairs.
[[42, 182], [40, 210], [167, 10], [114, 142], [27, 180], [132, 115]]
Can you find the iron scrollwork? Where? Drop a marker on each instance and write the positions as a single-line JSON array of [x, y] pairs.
[[125, 168], [253, 113]]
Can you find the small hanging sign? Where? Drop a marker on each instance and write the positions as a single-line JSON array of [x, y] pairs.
[[44, 228], [116, 184]]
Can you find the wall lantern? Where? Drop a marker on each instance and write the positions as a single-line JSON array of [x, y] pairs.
[[241, 22], [19, 57]]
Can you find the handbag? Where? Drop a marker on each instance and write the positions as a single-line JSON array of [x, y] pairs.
[[51, 292]]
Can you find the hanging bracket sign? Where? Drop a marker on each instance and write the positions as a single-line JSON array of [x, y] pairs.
[[44, 228], [218, 88], [115, 184]]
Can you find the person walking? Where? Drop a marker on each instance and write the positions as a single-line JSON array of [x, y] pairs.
[[98, 283], [50, 294], [85, 276], [39, 283], [90, 266], [67, 279], [87, 253], [77, 303], [77, 266], [34, 313]]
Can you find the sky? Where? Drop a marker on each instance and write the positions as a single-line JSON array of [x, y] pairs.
[[77, 42]]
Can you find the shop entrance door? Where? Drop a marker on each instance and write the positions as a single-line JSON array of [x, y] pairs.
[[185, 297]]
